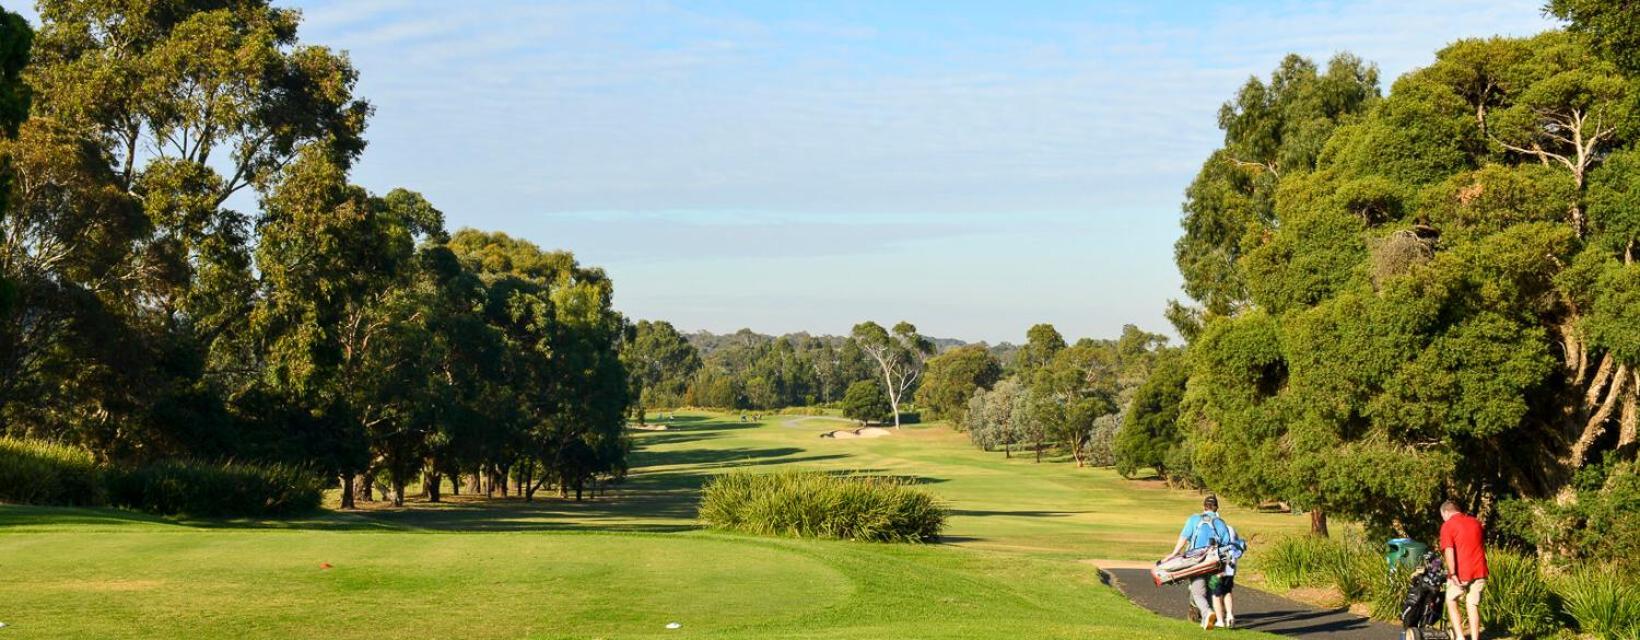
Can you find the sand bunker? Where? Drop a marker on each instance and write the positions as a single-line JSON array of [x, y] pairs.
[[647, 427], [862, 432]]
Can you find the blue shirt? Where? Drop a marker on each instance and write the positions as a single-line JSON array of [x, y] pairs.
[[1204, 529]]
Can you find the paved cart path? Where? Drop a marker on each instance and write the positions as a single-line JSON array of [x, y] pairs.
[[1255, 610]]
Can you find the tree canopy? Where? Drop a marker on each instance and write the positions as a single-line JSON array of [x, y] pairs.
[[341, 330], [1422, 296]]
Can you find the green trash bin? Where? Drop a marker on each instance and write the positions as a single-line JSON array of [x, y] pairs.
[[1405, 553]]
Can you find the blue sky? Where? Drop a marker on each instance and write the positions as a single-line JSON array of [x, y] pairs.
[[974, 167]]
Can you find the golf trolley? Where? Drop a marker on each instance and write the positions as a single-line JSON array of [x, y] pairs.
[[1424, 606]]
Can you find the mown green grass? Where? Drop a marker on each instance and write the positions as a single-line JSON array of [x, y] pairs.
[[622, 566]]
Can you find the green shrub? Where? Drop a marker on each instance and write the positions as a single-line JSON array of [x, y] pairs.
[[1518, 599], [1387, 593], [804, 411], [1298, 561], [815, 504], [910, 417], [1603, 602], [36, 472], [202, 489], [1354, 567]]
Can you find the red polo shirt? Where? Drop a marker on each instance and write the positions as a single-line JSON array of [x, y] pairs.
[[1463, 534]]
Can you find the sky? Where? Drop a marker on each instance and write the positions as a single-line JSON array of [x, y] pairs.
[[972, 167]]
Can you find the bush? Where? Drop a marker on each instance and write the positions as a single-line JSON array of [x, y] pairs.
[[867, 402], [1298, 561], [1518, 599], [910, 417], [201, 489], [1603, 603], [1355, 568], [803, 411], [815, 504], [36, 472]]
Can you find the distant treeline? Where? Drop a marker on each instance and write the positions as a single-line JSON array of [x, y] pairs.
[[750, 370]]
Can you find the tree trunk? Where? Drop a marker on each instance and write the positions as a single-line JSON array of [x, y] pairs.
[[528, 488], [431, 485], [1005, 451], [578, 485], [398, 490], [367, 488], [1318, 522], [347, 491], [1629, 424], [1038, 447], [1597, 423]]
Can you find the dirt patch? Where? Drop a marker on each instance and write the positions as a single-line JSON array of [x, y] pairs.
[[1118, 564], [863, 432], [1327, 597]]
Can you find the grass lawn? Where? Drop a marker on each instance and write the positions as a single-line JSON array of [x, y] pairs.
[[623, 566]]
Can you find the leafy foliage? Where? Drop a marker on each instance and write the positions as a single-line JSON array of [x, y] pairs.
[[332, 328], [865, 401], [952, 379], [1413, 297]]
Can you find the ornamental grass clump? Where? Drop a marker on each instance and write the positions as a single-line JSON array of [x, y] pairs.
[[1299, 561], [39, 472], [1603, 603], [1518, 598], [211, 490], [813, 504]]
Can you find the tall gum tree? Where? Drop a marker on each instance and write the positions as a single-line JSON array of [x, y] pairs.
[[899, 355]]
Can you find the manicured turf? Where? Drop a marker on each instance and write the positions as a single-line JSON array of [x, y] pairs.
[[623, 566]]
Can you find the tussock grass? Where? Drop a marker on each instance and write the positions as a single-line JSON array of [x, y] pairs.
[[226, 489], [1518, 598], [39, 472], [44, 473], [813, 504], [1604, 603], [1298, 561]]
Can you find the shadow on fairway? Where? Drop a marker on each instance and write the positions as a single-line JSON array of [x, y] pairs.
[[659, 495], [1021, 514]]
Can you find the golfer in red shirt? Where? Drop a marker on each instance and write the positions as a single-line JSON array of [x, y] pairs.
[[1465, 566]]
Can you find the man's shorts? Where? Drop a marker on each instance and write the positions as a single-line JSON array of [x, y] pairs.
[[1472, 589], [1220, 586]]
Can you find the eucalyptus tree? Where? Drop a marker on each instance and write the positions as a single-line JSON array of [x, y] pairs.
[[660, 361], [899, 355], [1439, 306], [1271, 128], [15, 39], [135, 278], [556, 318], [955, 376]]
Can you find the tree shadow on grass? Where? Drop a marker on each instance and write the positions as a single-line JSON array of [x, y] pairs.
[[1021, 513], [660, 495]]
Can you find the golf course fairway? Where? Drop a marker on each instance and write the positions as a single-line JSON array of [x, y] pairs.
[[626, 565]]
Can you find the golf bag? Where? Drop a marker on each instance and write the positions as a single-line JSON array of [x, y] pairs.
[[1205, 561], [1422, 606]]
